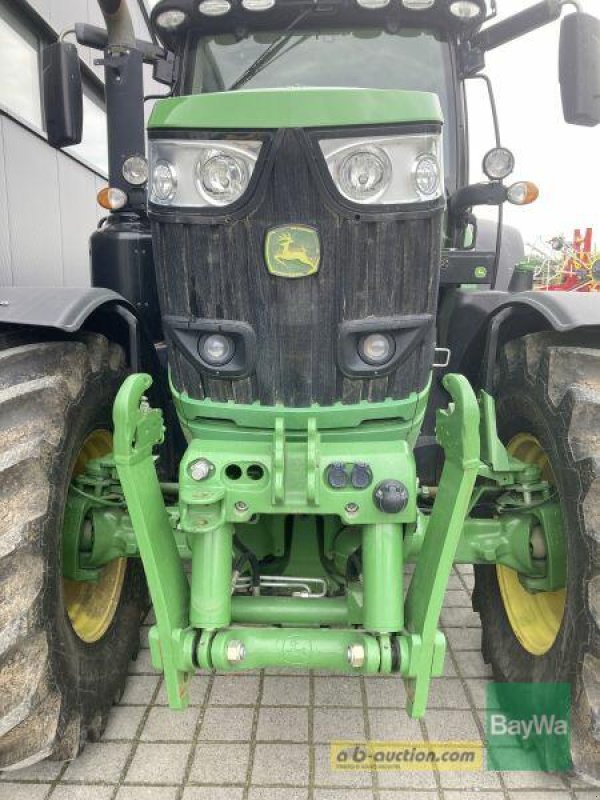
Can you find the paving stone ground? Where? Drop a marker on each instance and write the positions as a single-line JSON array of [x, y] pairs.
[[265, 736]]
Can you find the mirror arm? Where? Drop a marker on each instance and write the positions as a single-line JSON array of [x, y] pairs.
[[519, 24], [118, 23], [478, 194], [97, 39]]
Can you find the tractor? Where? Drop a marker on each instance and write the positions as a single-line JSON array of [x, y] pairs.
[[306, 380]]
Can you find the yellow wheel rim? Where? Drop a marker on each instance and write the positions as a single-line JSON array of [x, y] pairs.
[[534, 618], [92, 606]]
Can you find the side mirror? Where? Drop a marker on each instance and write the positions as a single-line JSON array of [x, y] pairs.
[[63, 94], [580, 69]]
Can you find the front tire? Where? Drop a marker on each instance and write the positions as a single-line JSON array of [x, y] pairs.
[[548, 405], [62, 665]]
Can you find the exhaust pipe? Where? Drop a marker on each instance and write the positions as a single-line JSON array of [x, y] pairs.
[[118, 23]]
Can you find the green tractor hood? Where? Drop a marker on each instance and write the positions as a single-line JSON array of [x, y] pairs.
[[296, 108]]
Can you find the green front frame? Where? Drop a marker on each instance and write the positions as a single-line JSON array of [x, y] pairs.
[[281, 457]]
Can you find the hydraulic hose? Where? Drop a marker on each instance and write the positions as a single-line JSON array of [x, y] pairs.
[[118, 23], [246, 555]]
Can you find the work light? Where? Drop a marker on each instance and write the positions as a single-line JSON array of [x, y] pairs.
[[135, 170], [214, 8], [386, 170], [418, 5], [171, 20], [258, 5], [465, 9], [200, 174], [498, 163], [372, 4]]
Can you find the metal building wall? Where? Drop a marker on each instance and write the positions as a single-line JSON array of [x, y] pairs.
[[48, 203]]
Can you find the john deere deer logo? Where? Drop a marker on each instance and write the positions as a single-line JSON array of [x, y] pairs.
[[293, 251]]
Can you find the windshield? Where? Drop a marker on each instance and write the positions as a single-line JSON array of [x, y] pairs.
[[372, 58]]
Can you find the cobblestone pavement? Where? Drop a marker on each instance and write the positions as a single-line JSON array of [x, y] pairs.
[[265, 736]]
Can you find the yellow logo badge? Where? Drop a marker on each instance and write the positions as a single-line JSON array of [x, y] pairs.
[[293, 251]]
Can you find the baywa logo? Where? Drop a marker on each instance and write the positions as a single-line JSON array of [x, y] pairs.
[[293, 251], [501, 725], [528, 727]]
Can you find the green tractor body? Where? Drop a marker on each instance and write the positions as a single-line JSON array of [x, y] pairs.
[[337, 363]]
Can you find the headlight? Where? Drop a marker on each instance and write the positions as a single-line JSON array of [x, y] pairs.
[[376, 349], [216, 349], [164, 182], [386, 170], [365, 174], [202, 174], [427, 176], [222, 178]]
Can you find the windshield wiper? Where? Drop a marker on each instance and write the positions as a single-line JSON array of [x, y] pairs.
[[270, 53]]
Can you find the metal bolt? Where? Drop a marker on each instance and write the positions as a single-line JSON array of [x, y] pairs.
[[236, 651], [356, 656], [201, 469], [241, 507], [352, 508]]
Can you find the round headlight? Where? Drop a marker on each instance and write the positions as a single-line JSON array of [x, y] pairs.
[[377, 349], [164, 182], [216, 349], [214, 8], [465, 9], [427, 175], [170, 20], [365, 174], [223, 178], [135, 170], [498, 163]]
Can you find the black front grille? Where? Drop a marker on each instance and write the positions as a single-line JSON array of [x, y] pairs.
[[386, 267]]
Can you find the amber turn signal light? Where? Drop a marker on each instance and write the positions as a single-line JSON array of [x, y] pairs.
[[523, 193], [112, 199]]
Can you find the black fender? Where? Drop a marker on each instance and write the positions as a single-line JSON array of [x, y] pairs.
[[473, 325], [466, 318], [66, 311], [73, 309]]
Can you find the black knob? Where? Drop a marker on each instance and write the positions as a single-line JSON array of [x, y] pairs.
[[391, 497], [337, 477], [361, 476]]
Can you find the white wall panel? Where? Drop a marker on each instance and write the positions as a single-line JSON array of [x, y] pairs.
[[33, 207], [48, 206], [78, 216], [6, 274]]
